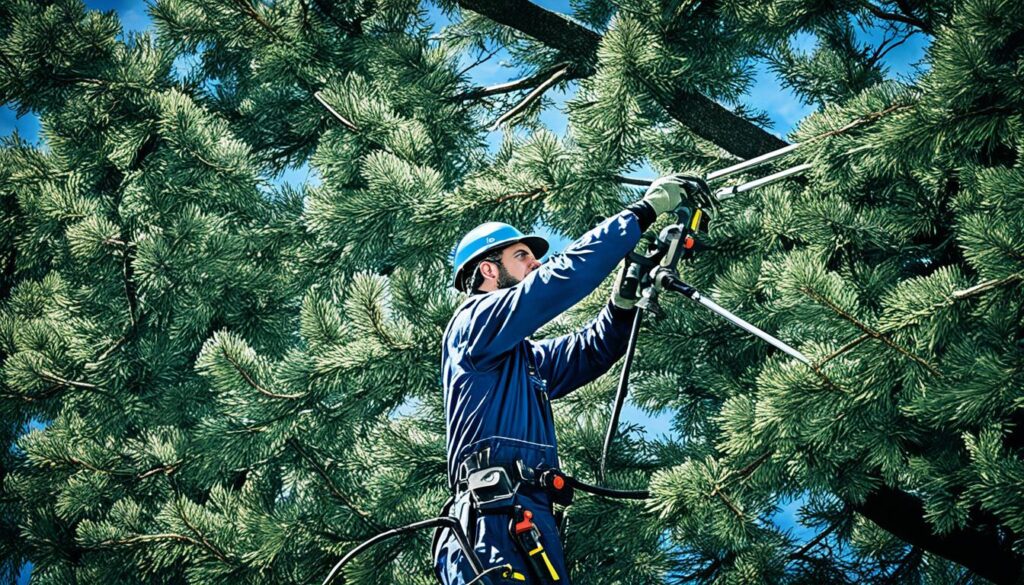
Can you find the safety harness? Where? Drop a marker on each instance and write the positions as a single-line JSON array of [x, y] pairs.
[[492, 489]]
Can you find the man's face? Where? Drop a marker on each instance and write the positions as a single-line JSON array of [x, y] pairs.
[[516, 262]]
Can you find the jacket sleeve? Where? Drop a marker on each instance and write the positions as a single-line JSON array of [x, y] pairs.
[[572, 360], [503, 318]]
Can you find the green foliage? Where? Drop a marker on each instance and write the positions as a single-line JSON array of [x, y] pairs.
[[206, 378]]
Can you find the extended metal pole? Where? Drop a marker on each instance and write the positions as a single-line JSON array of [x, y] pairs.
[[754, 162], [669, 281], [727, 192]]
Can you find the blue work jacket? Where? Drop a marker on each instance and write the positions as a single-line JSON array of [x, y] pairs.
[[497, 381]]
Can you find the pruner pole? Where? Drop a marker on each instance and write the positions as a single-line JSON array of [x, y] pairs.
[[667, 280], [754, 162], [727, 192]]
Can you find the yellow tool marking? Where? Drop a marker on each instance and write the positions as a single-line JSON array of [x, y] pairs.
[[551, 568]]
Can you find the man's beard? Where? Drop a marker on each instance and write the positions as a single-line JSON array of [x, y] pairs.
[[505, 280]]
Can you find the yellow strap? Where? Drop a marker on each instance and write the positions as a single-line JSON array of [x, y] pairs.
[[551, 568], [547, 561], [695, 223]]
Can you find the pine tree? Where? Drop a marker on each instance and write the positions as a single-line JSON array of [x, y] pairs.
[[216, 362]]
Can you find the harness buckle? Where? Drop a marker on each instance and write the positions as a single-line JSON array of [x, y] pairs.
[[491, 489]]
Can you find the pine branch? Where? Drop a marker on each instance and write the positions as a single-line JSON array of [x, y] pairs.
[[144, 538], [747, 470], [251, 11], [701, 115], [221, 556], [106, 353], [165, 469], [710, 570], [531, 195], [530, 98], [253, 383], [53, 378], [364, 516], [260, 427], [869, 118], [868, 330], [725, 499], [48, 393], [842, 350], [326, 7]]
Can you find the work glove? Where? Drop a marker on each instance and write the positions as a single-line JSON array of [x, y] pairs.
[[672, 191], [618, 298]]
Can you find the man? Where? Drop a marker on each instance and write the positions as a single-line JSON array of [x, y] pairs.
[[498, 382]]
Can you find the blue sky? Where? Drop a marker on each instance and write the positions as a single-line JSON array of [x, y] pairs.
[[782, 106]]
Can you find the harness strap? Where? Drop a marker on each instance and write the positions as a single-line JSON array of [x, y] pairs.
[[489, 483]]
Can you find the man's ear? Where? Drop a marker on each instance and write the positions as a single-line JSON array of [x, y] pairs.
[[489, 269]]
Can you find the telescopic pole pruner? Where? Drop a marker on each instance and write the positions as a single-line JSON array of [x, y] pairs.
[[674, 243]]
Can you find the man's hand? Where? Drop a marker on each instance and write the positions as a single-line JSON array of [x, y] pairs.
[[669, 192], [623, 299]]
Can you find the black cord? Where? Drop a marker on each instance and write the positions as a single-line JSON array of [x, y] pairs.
[[442, 521], [623, 389], [608, 492]]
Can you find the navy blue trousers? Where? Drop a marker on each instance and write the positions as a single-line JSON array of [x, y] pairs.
[[494, 545]]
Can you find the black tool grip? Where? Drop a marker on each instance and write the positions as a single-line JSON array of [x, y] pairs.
[[629, 289]]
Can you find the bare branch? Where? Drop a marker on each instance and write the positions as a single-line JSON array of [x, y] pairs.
[[516, 85], [320, 98], [814, 541], [530, 98], [986, 286], [483, 59], [896, 17]]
